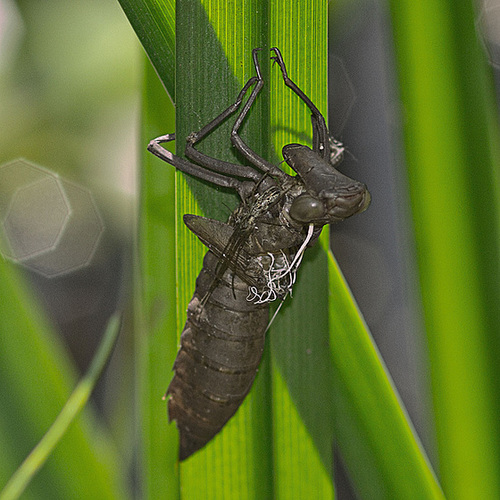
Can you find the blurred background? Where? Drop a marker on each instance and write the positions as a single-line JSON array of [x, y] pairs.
[[69, 111], [69, 103], [377, 251], [69, 116]]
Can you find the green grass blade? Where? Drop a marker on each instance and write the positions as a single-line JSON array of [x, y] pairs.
[[75, 403], [238, 33], [154, 24], [214, 43], [35, 382], [156, 341], [452, 146], [377, 441], [303, 406]]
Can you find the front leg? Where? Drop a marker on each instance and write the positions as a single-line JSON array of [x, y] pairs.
[[214, 164], [320, 131], [155, 147]]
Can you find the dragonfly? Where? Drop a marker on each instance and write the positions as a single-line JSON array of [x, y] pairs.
[[252, 259]]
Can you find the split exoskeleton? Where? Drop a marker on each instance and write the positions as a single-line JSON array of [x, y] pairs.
[[252, 259]]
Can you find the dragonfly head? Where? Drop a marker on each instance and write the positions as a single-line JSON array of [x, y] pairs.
[[330, 196]]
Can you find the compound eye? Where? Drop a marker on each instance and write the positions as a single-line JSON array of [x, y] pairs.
[[306, 208]]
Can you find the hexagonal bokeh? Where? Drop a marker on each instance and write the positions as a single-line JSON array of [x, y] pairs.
[[488, 25], [342, 96], [49, 225], [35, 218]]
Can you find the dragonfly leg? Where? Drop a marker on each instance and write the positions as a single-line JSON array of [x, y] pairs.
[[321, 142], [155, 147], [238, 142], [223, 167]]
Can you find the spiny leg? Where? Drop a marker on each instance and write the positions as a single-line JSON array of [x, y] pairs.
[[195, 170], [214, 164], [248, 153], [320, 132]]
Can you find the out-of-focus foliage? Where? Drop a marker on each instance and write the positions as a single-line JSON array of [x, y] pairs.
[[36, 377], [68, 101], [69, 89], [452, 146]]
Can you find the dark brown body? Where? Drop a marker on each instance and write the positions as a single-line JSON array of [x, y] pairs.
[[221, 348], [253, 258]]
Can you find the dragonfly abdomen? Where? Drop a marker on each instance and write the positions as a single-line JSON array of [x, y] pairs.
[[221, 348]]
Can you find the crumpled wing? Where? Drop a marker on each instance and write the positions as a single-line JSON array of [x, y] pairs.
[[221, 240]]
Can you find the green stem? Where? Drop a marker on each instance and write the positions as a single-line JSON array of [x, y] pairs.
[[38, 456]]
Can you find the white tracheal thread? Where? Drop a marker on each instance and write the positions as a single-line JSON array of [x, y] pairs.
[[280, 275]]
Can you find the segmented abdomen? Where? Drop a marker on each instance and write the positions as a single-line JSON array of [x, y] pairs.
[[221, 348]]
